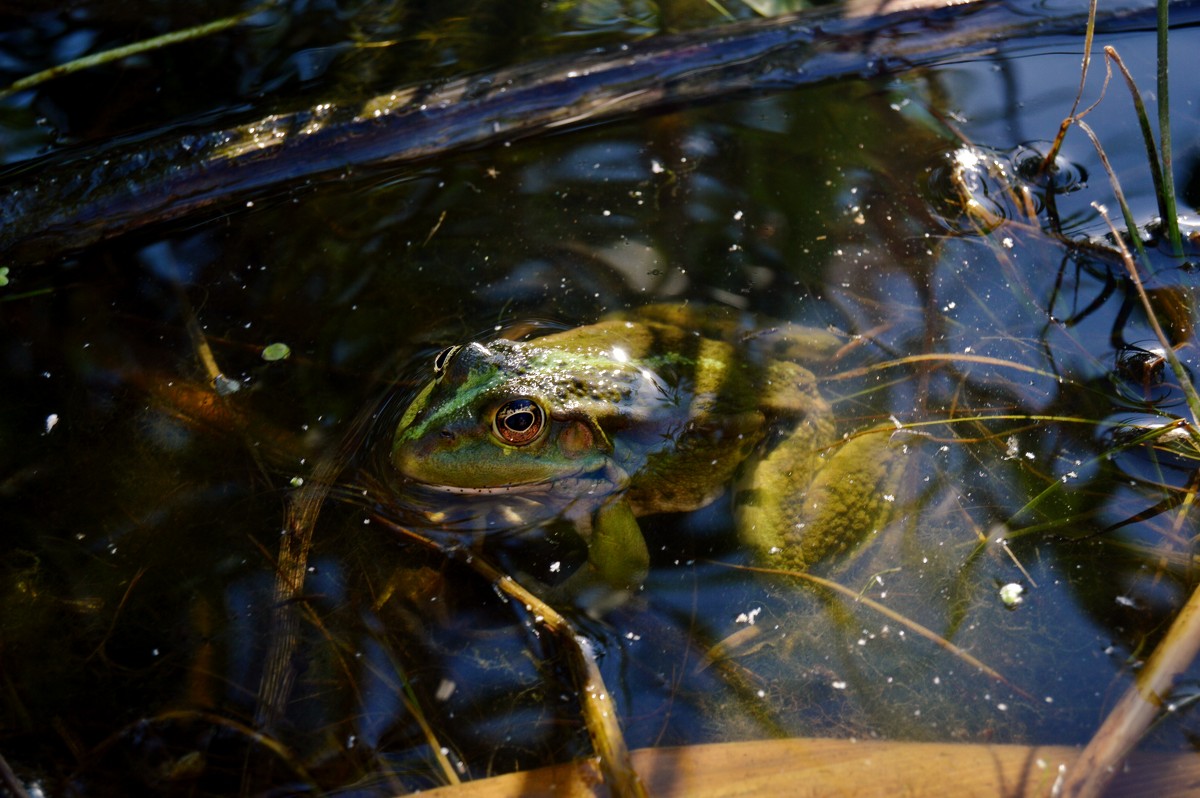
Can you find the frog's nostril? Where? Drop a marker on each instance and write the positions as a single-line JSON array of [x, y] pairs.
[[447, 435]]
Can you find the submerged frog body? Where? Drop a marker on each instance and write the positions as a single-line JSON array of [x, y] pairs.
[[660, 410]]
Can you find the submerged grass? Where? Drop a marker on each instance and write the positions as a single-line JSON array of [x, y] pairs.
[[135, 48]]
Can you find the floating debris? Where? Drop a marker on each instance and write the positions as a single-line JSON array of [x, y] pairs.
[[276, 351], [1011, 594]]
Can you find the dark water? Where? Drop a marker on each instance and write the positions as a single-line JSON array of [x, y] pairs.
[[141, 519]]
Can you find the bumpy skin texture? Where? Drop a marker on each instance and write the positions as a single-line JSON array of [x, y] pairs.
[[657, 411], [848, 499]]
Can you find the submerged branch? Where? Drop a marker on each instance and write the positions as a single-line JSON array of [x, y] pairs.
[[1138, 708], [597, 707], [70, 200]]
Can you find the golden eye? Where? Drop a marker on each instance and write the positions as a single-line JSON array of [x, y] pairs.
[[442, 359], [518, 422]]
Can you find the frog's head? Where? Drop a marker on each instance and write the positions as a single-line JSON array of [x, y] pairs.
[[496, 417]]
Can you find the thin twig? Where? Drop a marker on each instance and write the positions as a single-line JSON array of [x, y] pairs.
[[136, 48], [1089, 34]]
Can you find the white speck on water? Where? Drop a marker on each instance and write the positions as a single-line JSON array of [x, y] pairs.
[[838, 685], [966, 158], [555, 566], [750, 617], [51, 422]]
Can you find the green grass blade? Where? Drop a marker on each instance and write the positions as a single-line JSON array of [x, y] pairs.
[[1170, 215]]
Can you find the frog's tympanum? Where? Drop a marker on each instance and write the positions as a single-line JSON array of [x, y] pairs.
[[659, 410]]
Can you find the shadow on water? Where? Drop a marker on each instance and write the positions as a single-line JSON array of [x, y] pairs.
[[143, 511]]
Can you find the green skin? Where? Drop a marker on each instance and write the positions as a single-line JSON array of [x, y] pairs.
[[657, 411]]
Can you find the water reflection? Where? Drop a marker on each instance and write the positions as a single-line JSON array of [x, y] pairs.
[[149, 516]]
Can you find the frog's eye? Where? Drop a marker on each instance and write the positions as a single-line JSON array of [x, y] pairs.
[[442, 359], [518, 422]]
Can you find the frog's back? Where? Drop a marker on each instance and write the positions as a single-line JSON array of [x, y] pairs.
[[717, 387]]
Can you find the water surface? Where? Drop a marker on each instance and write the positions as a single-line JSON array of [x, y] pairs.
[[142, 519]]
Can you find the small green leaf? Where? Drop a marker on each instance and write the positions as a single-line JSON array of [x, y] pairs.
[[3, 276], [273, 352]]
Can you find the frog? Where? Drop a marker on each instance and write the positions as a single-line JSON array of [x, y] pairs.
[[660, 409]]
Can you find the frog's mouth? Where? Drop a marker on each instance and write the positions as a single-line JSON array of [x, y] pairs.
[[599, 481], [543, 486]]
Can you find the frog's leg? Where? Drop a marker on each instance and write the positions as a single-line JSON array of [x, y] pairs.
[[618, 561], [799, 506], [617, 551]]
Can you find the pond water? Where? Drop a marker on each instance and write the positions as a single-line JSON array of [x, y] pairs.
[[142, 515]]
